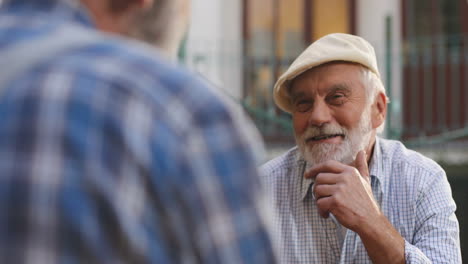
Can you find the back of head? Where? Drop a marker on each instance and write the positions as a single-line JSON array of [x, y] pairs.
[[163, 24]]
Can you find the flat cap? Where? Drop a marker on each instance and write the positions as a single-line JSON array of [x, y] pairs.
[[332, 47]]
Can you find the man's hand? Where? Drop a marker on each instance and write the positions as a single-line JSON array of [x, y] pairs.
[[345, 191]]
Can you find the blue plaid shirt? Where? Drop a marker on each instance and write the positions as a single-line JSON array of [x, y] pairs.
[[110, 154], [412, 191]]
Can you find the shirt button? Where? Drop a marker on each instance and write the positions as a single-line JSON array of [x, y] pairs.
[[332, 224]]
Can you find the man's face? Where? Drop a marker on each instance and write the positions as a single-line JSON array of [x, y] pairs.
[[331, 114]]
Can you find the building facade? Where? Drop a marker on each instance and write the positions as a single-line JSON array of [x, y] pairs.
[[421, 45]]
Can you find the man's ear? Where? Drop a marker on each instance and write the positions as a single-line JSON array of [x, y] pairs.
[[379, 110]]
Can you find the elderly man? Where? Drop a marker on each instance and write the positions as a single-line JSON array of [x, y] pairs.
[[344, 195], [109, 152]]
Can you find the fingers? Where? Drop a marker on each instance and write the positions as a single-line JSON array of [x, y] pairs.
[[324, 214], [323, 190], [361, 165], [324, 187], [323, 196], [323, 206], [336, 183], [327, 178], [330, 166]]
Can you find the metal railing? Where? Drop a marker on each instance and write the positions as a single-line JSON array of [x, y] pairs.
[[435, 90]]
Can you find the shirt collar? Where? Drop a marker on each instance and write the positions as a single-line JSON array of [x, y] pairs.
[[375, 166], [375, 169], [305, 184], [64, 9]]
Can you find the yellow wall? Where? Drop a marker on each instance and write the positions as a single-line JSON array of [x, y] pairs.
[[290, 21], [261, 14], [330, 16]]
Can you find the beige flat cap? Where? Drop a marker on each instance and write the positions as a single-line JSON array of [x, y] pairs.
[[332, 47]]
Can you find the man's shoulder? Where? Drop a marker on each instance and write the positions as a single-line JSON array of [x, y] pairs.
[[186, 98], [403, 158], [281, 164], [119, 59], [114, 75]]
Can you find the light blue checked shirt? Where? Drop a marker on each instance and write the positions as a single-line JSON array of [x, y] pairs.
[[111, 154], [412, 191]]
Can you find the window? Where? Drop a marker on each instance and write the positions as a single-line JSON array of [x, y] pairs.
[[435, 66]]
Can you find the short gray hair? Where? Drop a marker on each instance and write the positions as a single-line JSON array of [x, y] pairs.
[[374, 86]]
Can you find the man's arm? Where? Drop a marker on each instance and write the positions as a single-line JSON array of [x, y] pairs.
[[437, 231], [346, 192]]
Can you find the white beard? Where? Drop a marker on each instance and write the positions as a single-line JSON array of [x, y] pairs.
[[354, 140]]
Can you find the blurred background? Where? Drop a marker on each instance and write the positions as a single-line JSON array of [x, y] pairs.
[[422, 48]]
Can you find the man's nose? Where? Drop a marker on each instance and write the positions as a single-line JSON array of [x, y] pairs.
[[320, 115]]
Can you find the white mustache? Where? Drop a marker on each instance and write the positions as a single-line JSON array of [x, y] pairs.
[[314, 131]]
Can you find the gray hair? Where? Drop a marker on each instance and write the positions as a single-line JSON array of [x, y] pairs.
[[374, 87]]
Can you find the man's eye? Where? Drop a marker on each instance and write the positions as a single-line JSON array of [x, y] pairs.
[[303, 106], [337, 99]]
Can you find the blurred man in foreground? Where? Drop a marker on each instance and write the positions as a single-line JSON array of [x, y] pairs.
[[109, 153], [343, 195]]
